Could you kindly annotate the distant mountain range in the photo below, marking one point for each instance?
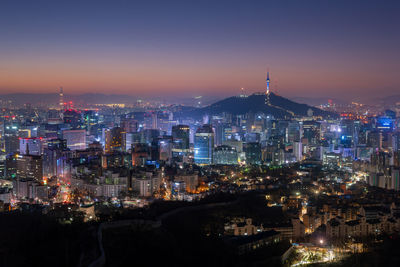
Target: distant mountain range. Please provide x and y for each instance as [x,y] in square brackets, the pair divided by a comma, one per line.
[19,99]
[89,98]
[279,107]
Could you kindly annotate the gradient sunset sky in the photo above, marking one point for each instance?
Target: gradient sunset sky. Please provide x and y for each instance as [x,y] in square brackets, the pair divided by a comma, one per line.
[332,48]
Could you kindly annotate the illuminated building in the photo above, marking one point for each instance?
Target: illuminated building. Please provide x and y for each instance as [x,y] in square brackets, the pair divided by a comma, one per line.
[56,157]
[384,123]
[140,154]
[114,140]
[29,167]
[150,120]
[90,118]
[11,143]
[253,153]
[225,155]
[204,145]
[129,125]
[76,139]
[311,132]
[31,146]
[298,150]
[147,185]
[73,118]
[10,171]
[148,135]
[165,148]
[131,139]
[180,138]
[116,160]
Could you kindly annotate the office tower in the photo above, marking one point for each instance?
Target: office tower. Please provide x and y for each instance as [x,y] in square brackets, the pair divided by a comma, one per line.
[31,146]
[11,143]
[225,155]
[90,118]
[10,171]
[298,150]
[165,148]
[374,139]
[30,167]
[131,139]
[311,132]
[148,135]
[293,132]
[56,159]
[181,135]
[129,125]
[73,118]
[140,154]
[384,124]
[253,153]
[150,120]
[114,140]
[204,145]
[76,139]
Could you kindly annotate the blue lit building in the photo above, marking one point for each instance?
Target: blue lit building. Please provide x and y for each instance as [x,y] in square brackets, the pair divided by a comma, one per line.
[204,145]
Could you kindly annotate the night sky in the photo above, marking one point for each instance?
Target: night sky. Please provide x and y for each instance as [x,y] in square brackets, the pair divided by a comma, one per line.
[340,49]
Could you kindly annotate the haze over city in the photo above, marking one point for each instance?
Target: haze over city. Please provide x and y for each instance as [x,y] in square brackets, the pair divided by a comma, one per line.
[340,49]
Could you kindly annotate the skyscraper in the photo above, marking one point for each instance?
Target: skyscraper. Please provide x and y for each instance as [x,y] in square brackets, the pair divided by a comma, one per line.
[253,153]
[114,140]
[204,145]
[76,139]
[180,135]
[225,155]
[31,146]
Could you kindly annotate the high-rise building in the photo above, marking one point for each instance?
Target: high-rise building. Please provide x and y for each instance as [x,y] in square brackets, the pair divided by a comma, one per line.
[11,143]
[140,154]
[30,167]
[181,135]
[56,159]
[204,145]
[165,148]
[114,140]
[90,118]
[131,139]
[225,155]
[311,132]
[73,118]
[129,125]
[76,139]
[253,153]
[31,146]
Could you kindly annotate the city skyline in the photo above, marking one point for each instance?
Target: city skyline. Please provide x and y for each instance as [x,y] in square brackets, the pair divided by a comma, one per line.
[341,50]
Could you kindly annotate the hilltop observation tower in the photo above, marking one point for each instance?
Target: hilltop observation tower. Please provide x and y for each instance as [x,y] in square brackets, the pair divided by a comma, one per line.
[267,92]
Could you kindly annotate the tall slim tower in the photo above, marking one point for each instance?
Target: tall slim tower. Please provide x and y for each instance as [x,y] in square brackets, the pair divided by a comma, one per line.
[61,103]
[267,92]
